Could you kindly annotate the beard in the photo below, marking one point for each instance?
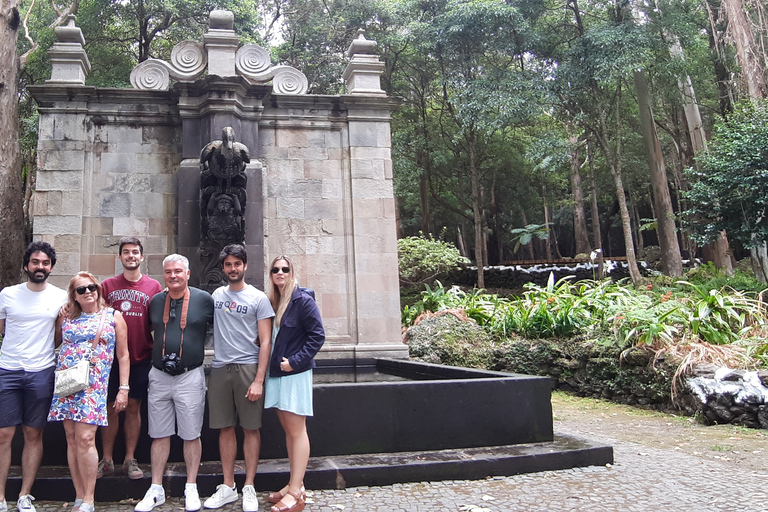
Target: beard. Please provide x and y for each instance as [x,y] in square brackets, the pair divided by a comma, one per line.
[235,277]
[36,277]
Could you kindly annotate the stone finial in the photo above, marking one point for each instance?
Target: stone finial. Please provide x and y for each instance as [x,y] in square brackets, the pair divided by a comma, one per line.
[69,33]
[221,43]
[69,62]
[221,20]
[361,45]
[363,73]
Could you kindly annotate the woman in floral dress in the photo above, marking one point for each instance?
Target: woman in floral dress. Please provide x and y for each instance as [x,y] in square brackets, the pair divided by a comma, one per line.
[85,411]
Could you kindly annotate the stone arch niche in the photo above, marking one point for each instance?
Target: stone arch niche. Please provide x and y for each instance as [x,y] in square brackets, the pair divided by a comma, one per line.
[126,162]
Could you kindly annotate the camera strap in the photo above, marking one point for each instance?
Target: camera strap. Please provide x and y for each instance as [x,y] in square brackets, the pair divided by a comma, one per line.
[182,320]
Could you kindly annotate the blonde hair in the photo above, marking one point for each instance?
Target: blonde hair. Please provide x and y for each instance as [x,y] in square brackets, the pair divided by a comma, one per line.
[74,307]
[280,298]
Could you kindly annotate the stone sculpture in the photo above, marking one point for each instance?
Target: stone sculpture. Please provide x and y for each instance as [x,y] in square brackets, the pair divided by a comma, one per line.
[222,202]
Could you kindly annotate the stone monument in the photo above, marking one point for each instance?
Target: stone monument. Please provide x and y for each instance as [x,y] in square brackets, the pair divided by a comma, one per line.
[317,187]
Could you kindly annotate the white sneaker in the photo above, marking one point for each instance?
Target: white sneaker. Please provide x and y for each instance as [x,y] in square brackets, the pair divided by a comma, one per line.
[250,499]
[3,506]
[224,494]
[191,499]
[24,504]
[155,496]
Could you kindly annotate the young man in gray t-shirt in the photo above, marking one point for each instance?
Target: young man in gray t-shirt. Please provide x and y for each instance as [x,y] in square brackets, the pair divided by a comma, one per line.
[242,335]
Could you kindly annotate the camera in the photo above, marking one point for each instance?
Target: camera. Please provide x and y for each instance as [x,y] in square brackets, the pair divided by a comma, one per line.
[171,363]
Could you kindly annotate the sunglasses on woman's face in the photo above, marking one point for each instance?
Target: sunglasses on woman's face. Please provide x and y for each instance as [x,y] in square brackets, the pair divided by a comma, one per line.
[81,289]
[285,270]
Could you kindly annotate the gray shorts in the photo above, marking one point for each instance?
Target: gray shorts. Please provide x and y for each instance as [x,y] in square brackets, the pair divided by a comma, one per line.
[176,402]
[227,387]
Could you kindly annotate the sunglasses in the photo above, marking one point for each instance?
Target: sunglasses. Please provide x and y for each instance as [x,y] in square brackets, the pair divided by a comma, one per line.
[91,288]
[285,270]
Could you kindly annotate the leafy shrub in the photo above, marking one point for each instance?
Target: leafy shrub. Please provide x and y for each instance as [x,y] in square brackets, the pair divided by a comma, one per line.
[421,259]
[712,278]
[620,315]
[445,339]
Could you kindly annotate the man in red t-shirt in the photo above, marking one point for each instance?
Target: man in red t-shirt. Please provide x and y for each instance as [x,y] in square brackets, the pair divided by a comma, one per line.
[129,293]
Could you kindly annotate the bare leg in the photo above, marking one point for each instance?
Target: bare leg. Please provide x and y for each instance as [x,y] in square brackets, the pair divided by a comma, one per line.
[161,448]
[132,427]
[228,453]
[251,448]
[109,433]
[296,430]
[72,459]
[6,436]
[30,457]
[87,457]
[193,450]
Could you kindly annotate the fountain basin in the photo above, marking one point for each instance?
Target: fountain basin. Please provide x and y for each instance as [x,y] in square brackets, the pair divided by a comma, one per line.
[376,423]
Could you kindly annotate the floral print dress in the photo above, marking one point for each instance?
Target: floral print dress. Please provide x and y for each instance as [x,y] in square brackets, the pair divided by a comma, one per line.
[90,404]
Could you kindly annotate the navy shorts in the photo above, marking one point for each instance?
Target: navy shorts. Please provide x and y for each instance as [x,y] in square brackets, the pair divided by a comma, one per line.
[138,380]
[25,397]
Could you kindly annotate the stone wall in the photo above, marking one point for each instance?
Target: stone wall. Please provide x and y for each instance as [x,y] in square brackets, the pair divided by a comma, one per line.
[516,276]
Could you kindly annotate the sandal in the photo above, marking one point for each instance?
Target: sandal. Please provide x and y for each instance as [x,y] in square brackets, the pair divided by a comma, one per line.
[296,507]
[276,496]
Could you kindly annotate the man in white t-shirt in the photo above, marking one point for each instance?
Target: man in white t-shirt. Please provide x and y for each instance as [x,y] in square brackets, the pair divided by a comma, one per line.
[28,314]
[242,335]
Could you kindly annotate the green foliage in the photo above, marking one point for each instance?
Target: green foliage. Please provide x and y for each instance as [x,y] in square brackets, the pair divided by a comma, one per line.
[421,259]
[720,316]
[445,339]
[620,316]
[730,189]
[712,278]
[524,236]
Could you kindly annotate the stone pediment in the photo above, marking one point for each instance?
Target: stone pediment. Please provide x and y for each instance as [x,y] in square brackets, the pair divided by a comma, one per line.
[218,55]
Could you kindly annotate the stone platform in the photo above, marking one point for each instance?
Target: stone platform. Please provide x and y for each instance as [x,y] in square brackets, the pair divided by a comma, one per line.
[339,472]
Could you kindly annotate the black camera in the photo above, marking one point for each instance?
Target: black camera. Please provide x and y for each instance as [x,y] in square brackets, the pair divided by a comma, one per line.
[171,363]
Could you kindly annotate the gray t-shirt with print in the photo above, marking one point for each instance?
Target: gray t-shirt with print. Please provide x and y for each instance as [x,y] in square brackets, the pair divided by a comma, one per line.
[236,324]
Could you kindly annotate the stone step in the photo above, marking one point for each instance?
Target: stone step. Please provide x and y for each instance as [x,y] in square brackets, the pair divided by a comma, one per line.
[335,472]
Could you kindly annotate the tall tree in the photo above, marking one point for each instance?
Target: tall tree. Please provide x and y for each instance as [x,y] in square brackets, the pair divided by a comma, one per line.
[11,211]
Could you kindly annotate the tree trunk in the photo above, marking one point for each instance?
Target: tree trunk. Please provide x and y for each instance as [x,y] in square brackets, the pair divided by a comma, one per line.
[759,257]
[614,159]
[476,212]
[636,223]
[424,204]
[747,50]
[548,241]
[11,196]
[579,211]
[665,216]
[529,245]
[597,236]
[719,249]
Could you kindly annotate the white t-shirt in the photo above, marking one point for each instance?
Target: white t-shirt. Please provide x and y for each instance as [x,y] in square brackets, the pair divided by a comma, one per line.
[236,316]
[30,320]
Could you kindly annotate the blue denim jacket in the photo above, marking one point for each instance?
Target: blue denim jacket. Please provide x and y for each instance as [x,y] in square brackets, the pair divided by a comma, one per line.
[300,336]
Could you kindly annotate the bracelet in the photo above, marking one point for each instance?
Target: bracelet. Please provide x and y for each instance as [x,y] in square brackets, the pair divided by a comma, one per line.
[124,386]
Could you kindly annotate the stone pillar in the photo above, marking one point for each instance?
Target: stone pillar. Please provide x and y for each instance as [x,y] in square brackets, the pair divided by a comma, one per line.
[375,241]
[221,42]
[363,73]
[69,62]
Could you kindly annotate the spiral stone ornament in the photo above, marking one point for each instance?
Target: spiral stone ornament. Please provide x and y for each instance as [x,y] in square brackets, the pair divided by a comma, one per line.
[151,74]
[188,60]
[253,62]
[289,80]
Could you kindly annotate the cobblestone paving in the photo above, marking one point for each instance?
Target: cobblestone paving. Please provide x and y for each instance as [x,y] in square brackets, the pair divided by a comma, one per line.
[642,479]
